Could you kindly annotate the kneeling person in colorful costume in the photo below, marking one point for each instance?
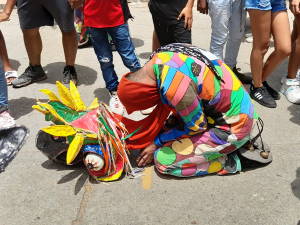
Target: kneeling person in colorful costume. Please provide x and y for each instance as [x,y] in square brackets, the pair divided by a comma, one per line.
[212,115]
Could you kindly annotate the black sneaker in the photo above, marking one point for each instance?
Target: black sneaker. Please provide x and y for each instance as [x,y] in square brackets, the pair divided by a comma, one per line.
[242,77]
[272,92]
[32,74]
[70,75]
[262,96]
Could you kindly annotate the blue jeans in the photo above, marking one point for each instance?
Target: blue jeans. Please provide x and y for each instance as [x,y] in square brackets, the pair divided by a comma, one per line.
[228,26]
[273,5]
[3,91]
[121,38]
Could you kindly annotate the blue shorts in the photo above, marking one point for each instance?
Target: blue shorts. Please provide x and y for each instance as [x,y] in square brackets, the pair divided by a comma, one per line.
[273,5]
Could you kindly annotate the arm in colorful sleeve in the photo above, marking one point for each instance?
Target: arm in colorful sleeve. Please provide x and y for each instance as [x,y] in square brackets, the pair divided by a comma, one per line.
[180,92]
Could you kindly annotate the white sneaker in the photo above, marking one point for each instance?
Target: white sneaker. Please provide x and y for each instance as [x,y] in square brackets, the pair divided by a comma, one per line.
[6,121]
[291,89]
[115,104]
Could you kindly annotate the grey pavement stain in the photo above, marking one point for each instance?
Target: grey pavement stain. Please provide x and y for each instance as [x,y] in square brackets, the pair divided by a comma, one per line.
[88,190]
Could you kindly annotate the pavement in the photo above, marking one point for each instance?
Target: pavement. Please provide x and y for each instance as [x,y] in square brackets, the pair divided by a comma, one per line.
[35,191]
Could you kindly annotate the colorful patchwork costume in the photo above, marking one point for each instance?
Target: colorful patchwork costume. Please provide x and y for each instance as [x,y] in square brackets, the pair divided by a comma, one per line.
[215,109]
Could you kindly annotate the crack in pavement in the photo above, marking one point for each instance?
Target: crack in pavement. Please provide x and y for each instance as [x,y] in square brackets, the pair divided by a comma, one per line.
[88,189]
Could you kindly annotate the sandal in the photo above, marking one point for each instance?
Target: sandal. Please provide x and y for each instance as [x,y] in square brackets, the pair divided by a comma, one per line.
[10,76]
[256,149]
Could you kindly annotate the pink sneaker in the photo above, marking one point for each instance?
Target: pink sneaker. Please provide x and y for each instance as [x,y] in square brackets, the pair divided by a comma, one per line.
[6,121]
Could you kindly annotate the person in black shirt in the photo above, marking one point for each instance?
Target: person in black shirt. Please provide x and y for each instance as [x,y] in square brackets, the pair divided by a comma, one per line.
[172,20]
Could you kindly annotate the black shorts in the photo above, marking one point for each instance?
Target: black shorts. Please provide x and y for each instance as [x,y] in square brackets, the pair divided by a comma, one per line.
[38,13]
[168,33]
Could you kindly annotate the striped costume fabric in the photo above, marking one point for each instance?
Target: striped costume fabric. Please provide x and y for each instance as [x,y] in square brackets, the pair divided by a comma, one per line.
[217,114]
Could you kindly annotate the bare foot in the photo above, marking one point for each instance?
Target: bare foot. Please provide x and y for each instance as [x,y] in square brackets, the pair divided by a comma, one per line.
[10,76]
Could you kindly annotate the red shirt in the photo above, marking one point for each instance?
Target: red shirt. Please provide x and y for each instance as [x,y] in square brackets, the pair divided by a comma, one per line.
[103,13]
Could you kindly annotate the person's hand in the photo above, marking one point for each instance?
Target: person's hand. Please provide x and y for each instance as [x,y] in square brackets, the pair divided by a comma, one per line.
[187,13]
[146,156]
[4,17]
[202,6]
[294,6]
[76,3]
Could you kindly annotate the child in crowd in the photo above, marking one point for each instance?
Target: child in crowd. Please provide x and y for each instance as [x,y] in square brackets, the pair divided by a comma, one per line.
[172,21]
[228,26]
[291,84]
[104,17]
[267,17]
[9,72]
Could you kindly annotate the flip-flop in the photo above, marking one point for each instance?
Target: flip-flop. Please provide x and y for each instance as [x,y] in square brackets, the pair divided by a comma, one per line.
[9,75]
[258,151]
[11,141]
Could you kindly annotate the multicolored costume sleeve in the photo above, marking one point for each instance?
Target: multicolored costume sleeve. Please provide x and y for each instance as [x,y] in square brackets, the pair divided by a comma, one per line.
[179,89]
[217,112]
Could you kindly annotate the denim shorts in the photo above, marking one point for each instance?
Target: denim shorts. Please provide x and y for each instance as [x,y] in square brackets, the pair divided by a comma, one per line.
[273,5]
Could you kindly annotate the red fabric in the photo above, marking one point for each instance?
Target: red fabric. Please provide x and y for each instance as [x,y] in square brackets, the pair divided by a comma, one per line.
[103,13]
[137,96]
[87,122]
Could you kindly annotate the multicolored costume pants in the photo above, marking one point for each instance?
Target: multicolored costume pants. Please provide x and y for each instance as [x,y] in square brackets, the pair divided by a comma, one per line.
[199,155]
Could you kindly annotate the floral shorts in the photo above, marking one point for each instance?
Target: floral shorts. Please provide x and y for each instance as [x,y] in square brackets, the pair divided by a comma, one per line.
[273,5]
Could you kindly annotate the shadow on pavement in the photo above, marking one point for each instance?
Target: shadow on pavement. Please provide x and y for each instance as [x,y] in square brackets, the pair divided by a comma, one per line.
[295,185]
[275,78]
[15,64]
[86,75]
[21,106]
[295,113]
[102,94]
[138,42]
[77,172]
[145,55]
